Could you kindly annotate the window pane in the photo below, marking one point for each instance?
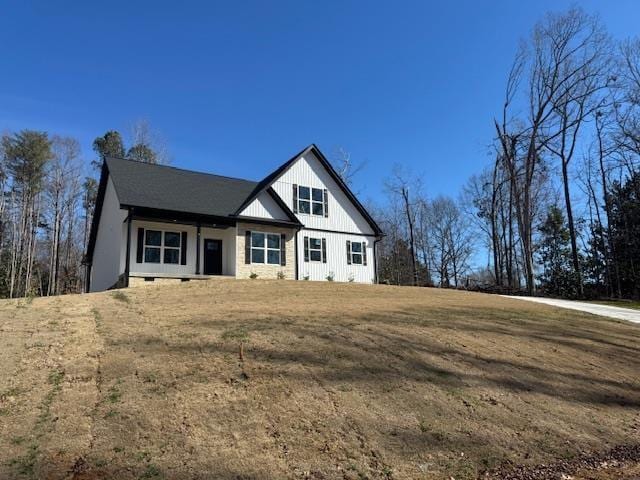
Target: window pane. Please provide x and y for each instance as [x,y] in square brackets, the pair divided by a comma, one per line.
[171,255]
[257,255]
[315,255]
[318,209]
[317,195]
[257,239]
[356,258]
[273,257]
[356,247]
[153,237]
[273,241]
[315,243]
[171,239]
[304,193]
[152,255]
[303,206]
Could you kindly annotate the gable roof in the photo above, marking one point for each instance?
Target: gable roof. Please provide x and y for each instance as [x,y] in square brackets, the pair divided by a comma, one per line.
[272,177]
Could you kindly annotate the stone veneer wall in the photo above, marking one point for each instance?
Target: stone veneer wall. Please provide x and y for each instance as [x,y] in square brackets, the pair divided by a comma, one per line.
[243,270]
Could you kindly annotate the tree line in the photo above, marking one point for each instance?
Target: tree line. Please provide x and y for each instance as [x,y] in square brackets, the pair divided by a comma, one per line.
[557,211]
[47,198]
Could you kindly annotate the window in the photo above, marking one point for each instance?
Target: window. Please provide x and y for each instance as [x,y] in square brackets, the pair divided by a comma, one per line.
[312,200]
[356,253]
[171,247]
[265,248]
[155,248]
[315,249]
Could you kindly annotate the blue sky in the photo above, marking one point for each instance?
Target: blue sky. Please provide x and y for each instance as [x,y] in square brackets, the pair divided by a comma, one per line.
[236,88]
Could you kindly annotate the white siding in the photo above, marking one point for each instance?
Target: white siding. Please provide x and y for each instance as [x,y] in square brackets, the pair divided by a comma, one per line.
[309,172]
[228,248]
[108,254]
[264,206]
[336,258]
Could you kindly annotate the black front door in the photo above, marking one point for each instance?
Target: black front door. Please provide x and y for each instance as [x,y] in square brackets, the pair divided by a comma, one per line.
[212,257]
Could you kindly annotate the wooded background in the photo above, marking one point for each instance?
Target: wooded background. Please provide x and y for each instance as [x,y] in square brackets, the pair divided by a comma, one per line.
[556,211]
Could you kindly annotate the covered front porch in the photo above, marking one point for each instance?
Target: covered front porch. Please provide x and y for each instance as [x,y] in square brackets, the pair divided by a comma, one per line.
[166,248]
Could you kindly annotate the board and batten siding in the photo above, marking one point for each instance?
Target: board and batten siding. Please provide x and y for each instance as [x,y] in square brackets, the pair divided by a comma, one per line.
[108,254]
[264,206]
[344,222]
[336,254]
[228,248]
[309,172]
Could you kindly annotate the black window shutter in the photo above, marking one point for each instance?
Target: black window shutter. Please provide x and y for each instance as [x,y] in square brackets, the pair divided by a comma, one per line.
[326,203]
[247,247]
[283,250]
[295,198]
[364,253]
[183,250]
[306,249]
[140,252]
[324,250]
[348,252]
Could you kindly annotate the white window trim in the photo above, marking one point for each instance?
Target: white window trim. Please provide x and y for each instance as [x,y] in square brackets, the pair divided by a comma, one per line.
[266,248]
[160,247]
[319,249]
[363,245]
[311,201]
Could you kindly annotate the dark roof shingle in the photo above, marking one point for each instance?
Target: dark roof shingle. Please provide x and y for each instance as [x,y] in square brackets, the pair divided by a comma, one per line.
[168,188]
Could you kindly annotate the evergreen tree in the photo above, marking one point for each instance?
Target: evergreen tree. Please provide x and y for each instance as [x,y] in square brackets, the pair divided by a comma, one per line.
[558,276]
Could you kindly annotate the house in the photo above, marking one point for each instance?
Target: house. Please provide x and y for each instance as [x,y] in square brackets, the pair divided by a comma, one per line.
[156,223]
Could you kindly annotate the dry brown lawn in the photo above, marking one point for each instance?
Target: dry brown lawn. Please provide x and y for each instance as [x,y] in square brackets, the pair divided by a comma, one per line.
[337,381]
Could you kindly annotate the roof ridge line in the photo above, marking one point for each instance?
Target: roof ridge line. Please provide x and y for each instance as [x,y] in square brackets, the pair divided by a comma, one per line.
[181,169]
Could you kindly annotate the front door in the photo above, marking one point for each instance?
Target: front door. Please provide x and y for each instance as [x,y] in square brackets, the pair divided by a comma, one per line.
[212,257]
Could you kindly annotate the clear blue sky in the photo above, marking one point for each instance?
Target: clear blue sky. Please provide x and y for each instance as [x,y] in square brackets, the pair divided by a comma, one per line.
[236,88]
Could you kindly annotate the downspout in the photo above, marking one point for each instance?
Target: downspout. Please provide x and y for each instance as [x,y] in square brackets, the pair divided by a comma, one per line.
[127,260]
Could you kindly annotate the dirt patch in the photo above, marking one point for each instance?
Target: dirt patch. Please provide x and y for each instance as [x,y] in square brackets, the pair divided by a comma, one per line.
[335,381]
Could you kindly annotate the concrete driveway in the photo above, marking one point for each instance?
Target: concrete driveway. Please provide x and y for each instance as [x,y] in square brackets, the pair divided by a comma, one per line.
[603,310]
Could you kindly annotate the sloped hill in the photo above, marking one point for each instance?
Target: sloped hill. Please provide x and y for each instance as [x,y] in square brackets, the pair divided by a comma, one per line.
[335,381]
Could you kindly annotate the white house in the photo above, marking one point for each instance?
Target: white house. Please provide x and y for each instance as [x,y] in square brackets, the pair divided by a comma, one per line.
[160,223]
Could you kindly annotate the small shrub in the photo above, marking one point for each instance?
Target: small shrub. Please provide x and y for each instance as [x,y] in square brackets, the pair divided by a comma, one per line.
[330,277]
[253,275]
[280,275]
[306,277]
[351,278]
[120,296]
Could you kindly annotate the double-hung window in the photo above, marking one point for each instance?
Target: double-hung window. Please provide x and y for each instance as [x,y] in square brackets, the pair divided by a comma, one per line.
[265,248]
[315,249]
[159,245]
[356,253]
[310,200]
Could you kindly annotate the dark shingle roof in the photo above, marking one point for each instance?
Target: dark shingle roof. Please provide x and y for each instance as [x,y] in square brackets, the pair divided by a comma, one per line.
[167,188]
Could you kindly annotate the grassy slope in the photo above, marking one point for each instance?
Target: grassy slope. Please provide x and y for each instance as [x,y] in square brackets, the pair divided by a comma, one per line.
[338,381]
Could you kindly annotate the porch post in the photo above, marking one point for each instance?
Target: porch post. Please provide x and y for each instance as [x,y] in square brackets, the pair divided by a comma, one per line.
[127,259]
[198,250]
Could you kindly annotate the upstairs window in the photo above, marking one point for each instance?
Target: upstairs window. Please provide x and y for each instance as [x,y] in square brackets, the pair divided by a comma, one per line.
[356,253]
[310,201]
